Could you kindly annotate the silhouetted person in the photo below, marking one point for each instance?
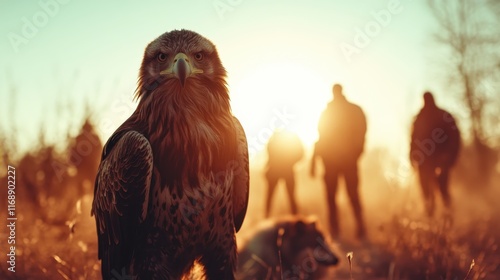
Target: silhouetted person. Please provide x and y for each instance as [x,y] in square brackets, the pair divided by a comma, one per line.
[342,129]
[284,151]
[85,155]
[435,142]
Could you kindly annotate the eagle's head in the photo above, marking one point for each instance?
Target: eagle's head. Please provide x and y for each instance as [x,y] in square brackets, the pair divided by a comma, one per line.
[182,76]
[180,59]
[184,100]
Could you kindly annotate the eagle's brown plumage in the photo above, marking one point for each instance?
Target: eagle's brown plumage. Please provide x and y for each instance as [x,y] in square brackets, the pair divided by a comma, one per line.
[172,186]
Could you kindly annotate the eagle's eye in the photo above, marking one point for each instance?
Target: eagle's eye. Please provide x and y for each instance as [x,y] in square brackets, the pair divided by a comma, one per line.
[198,56]
[161,57]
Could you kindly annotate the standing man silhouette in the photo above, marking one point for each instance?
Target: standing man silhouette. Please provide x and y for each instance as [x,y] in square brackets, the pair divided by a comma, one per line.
[435,143]
[342,129]
[284,150]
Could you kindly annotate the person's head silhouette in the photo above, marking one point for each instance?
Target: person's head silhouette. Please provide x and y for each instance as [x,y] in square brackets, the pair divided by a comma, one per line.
[429,100]
[337,92]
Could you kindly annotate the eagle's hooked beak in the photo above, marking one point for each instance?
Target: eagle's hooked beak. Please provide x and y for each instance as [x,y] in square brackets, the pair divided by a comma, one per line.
[181,68]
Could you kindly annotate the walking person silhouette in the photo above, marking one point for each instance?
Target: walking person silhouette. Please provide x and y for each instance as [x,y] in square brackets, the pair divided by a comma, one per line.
[342,129]
[284,150]
[434,147]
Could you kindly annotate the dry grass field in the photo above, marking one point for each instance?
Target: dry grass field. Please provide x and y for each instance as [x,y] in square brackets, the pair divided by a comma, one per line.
[56,239]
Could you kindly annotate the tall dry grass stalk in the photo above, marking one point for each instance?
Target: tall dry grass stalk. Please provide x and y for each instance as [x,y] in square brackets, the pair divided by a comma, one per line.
[350,256]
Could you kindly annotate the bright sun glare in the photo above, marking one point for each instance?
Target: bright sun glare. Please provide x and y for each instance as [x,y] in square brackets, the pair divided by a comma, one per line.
[280,94]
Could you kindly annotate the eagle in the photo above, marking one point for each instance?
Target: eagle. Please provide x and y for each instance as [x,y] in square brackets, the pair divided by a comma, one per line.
[172,185]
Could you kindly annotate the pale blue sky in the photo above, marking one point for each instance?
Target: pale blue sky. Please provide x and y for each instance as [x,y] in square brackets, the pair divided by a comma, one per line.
[279,54]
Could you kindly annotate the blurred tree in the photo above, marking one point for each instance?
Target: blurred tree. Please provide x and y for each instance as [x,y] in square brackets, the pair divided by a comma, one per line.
[495,4]
[469,31]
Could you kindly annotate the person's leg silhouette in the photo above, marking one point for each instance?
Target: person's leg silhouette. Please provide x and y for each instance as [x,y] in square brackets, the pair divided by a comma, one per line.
[331,184]
[290,187]
[352,182]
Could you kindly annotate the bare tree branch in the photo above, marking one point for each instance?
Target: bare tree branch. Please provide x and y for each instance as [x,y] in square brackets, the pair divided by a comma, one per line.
[465,28]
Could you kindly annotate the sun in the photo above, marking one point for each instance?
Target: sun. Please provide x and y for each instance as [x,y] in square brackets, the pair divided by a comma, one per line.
[280,94]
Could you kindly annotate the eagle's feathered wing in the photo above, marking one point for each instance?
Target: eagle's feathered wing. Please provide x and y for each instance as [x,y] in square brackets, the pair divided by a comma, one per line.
[122,193]
[121,197]
[242,179]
